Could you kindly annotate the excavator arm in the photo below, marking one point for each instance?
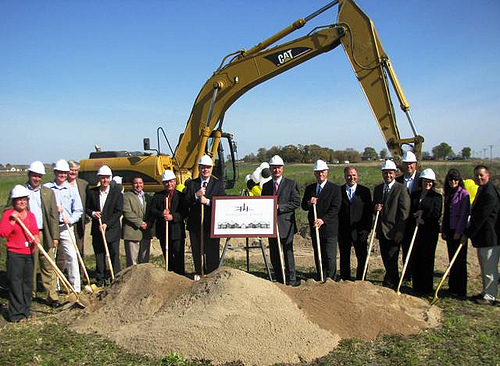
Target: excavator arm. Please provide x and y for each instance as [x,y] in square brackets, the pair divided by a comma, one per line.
[354,30]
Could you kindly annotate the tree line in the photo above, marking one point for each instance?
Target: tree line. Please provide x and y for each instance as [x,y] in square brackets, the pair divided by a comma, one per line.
[311,153]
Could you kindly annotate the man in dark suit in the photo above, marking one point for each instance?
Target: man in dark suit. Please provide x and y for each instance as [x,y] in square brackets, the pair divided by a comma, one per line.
[483,229]
[105,202]
[199,193]
[288,196]
[326,196]
[393,203]
[174,214]
[42,204]
[410,179]
[355,217]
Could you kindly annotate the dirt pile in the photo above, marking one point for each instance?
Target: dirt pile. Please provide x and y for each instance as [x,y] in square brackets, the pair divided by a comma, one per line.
[231,315]
[228,316]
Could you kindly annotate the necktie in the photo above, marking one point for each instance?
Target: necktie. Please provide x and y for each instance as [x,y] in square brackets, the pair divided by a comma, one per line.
[170,195]
[276,186]
[351,193]
[386,192]
[318,190]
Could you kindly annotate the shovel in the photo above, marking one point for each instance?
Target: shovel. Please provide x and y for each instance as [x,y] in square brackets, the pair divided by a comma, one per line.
[202,259]
[371,245]
[166,235]
[318,245]
[62,278]
[407,260]
[106,249]
[280,250]
[436,298]
[91,288]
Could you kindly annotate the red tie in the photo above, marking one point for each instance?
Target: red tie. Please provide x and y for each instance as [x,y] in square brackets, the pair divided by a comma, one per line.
[170,195]
[276,186]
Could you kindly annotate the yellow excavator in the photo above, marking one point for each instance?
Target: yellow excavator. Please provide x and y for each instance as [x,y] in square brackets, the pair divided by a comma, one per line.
[241,71]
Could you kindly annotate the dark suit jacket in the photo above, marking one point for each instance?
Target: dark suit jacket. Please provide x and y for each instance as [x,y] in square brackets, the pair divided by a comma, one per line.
[431,206]
[394,215]
[416,185]
[215,188]
[179,210]
[356,215]
[82,191]
[484,217]
[327,208]
[288,202]
[110,214]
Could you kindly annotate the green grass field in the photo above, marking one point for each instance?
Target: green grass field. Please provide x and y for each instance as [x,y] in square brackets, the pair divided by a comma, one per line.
[469,333]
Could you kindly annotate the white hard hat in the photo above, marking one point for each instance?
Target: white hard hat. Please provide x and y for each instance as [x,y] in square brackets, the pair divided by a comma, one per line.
[276,160]
[19,191]
[62,165]
[105,171]
[117,179]
[409,157]
[168,175]
[428,174]
[388,165]
[206,160]
[320,165]
[37,167]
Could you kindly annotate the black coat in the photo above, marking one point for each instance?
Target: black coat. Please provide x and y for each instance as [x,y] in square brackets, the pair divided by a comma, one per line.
[215,188]
[356,215]
[110,214]
[179,211]
[431,206]
[327,208]
[288,202]
[483,225]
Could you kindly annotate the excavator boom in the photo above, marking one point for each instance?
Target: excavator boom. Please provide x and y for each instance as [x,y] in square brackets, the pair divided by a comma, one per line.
[354,30]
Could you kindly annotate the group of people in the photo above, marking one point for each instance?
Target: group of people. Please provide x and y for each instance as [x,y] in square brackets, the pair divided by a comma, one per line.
[54,216]
[409,218]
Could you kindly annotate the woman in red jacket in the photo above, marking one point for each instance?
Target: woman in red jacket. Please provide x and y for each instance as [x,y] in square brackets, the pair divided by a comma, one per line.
[20,250]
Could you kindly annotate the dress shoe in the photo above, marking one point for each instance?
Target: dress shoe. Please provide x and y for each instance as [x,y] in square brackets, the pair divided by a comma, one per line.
[476,297]
[484,302]
[294,283]
[55,304]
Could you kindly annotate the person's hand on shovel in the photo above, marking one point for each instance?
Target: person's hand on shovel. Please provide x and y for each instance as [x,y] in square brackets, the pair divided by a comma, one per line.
[318,223]
[418,217]
[167,215]
[55,243]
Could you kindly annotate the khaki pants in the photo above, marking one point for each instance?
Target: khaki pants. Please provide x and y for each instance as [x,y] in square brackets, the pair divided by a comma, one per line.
[46,272]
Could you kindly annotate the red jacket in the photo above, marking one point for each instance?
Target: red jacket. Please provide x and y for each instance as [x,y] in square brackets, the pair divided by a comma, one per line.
[17,240]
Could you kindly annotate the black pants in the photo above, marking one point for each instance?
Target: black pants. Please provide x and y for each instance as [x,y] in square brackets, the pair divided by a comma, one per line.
[211,252]
[328,256]
[361,250]
[100,257]
[287,245]
[390,254]
[175,255]
[422,259]
[20,277]
[457,280]
[405,246]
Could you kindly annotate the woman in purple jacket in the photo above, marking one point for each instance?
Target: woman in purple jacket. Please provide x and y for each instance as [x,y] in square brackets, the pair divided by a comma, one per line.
[456,213]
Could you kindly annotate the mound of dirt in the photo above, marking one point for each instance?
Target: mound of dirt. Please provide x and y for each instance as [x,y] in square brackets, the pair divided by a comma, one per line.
[231,315]
[363,310]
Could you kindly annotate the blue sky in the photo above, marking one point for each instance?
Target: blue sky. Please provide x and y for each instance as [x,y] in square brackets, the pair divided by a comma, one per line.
[78,73]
